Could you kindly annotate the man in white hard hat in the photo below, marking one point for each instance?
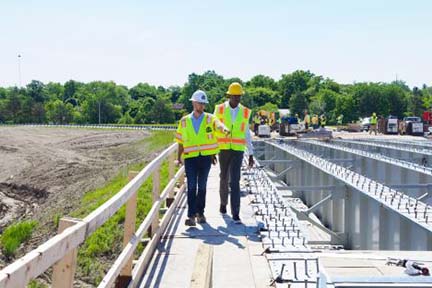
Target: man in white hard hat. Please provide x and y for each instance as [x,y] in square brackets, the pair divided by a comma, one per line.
[196,136]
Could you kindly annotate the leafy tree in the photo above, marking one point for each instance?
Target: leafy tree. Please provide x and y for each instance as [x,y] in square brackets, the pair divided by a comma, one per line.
[54,91]
[70,88]
[298,104]
[35,89]
[126,119]
[415,104]
[174,93]
[262,81]
[401,84]
[103,101]
[324,102]
[12,107]
[397,98]
[161,112]
[371,99]
[293,83]
[261,95]
[3,93]
[59,112]
[144,90]
[141,109]
[347,106]
[269,107]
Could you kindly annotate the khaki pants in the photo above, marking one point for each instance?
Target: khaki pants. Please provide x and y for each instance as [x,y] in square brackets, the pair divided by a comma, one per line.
[373,127]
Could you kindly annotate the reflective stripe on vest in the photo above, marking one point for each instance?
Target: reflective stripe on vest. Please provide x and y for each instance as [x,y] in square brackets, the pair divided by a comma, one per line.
[197,148]
[232,140]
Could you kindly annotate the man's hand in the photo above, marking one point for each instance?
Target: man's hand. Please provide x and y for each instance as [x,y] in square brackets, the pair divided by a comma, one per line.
[251,161]
[213,159]
[178,162]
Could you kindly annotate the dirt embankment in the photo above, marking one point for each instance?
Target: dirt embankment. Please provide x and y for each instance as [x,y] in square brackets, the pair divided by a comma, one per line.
[45,171]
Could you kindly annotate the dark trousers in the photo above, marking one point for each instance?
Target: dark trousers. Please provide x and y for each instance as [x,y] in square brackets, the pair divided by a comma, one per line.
[197,170]
[230,163]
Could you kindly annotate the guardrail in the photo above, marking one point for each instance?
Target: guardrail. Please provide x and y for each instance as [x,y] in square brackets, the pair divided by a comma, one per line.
[100,126]
[61,250]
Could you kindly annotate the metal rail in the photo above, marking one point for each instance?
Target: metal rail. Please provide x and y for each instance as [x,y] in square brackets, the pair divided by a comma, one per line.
[379,157]
[416,212]
[99,126]
[389,146]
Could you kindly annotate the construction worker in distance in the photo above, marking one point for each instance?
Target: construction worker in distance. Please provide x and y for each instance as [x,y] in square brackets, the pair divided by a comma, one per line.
[315,122]
[340,119]
[257,122]
[323,120]
[307,120]
[373,123]
[196,136]
[232,147]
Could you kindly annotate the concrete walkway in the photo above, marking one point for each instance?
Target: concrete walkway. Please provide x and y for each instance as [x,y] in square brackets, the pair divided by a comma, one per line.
[237,259]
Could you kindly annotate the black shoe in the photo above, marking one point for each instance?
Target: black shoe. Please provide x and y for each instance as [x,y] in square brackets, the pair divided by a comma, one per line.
[236,219]
[222,209]
[190,221]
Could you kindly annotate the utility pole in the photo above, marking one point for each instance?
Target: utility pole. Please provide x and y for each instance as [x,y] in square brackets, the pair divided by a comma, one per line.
[19,70]
[99,111]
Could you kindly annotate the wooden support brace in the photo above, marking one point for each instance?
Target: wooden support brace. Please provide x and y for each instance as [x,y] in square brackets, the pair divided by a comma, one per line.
[155,197]
[171,170]
[64,270]
[129,229]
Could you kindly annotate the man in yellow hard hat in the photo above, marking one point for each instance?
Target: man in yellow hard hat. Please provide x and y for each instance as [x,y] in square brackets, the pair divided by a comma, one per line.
[315,122]
[236,118]
[307,120]
[196,136]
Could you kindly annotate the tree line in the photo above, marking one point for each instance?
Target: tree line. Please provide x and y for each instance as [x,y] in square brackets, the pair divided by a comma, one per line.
[107,102]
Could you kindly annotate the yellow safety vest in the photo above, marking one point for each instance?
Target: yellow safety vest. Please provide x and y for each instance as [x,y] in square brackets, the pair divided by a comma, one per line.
[323,120]
[237,138]
[307,119]
[257,120]
[202,143]
[373,120]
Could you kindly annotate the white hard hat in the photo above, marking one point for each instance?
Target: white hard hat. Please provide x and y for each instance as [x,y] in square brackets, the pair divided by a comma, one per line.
[199,96]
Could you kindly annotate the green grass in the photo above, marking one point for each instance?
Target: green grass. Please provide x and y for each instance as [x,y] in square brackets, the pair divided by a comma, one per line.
[15,235]
[106,242]
[36,284]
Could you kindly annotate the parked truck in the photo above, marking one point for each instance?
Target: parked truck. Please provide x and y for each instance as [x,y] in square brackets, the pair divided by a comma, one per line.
[411,125]
[391,125]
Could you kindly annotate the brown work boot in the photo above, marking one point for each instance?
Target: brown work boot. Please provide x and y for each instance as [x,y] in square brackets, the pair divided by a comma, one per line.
[190,221]
[201,219]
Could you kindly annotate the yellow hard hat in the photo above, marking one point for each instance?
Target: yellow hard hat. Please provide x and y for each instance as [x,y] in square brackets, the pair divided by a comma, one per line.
[235,89]
[374,114]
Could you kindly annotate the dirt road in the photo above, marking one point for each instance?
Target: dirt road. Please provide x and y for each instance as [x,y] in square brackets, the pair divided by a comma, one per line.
[45,171]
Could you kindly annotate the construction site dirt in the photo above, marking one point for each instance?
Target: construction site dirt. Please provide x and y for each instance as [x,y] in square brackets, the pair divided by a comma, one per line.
[45,171]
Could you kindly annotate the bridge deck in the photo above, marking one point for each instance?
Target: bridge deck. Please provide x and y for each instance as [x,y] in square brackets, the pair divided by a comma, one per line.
[237,259]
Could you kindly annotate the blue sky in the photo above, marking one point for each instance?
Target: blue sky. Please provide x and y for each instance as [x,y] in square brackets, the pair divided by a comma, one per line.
[162,42]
